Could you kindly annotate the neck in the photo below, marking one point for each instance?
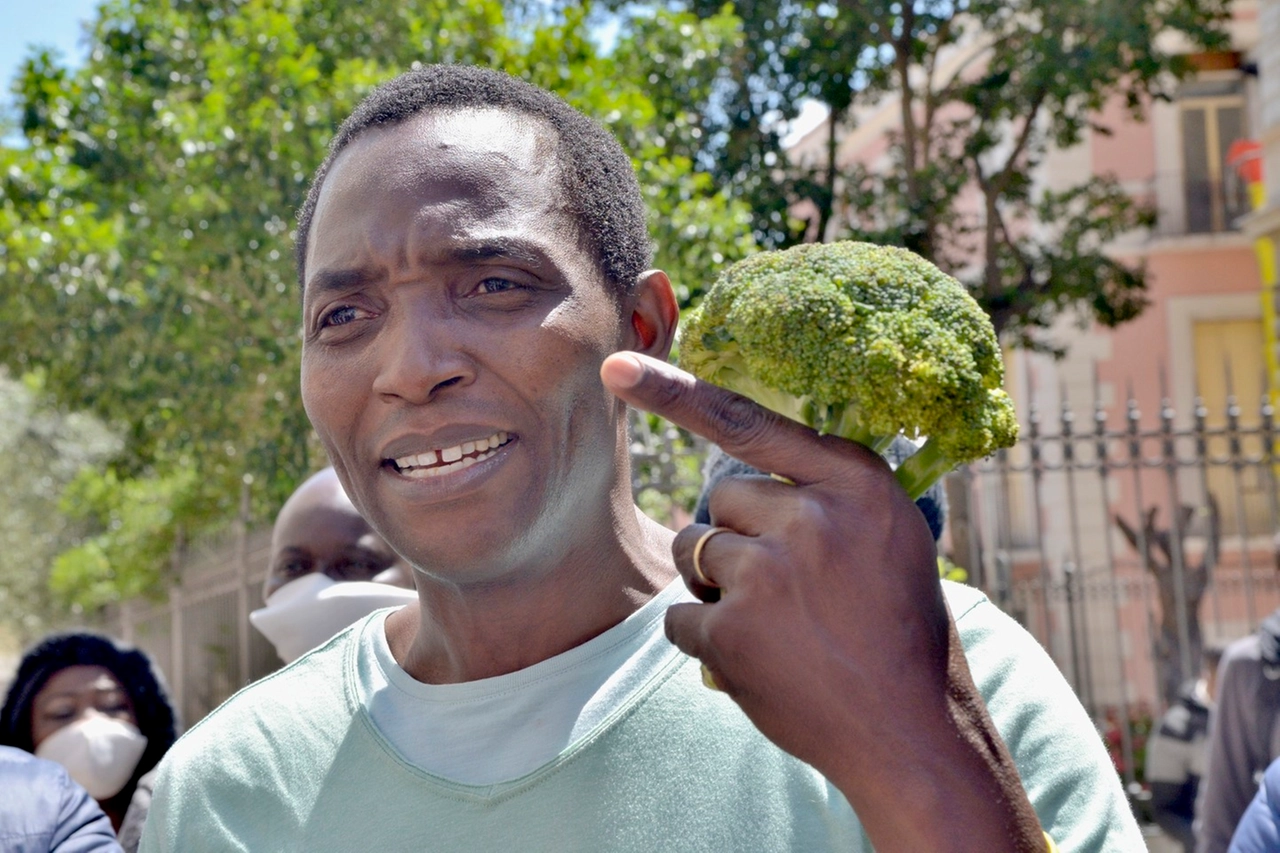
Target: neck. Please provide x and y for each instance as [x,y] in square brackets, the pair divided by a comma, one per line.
[468,632]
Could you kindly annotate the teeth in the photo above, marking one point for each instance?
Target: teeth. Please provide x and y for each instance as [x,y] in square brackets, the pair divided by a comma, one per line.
[433,463]
[448,467]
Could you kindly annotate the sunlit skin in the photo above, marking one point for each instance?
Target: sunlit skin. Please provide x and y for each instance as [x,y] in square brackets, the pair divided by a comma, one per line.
[318,530]
[448,300]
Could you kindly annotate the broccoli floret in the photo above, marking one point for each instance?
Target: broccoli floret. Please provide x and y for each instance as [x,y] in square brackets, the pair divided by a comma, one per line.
[861,341]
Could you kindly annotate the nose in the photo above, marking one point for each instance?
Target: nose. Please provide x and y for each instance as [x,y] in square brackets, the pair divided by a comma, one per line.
[419,357]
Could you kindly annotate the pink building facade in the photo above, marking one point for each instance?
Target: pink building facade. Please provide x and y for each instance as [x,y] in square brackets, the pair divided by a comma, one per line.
[1207,341]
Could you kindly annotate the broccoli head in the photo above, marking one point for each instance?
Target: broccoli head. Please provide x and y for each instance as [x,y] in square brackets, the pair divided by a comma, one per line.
[861,341]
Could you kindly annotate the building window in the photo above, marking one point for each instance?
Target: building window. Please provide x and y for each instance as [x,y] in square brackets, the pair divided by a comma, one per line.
[1212,119]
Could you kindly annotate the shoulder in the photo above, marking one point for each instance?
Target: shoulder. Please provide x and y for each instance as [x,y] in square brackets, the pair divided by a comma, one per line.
[1246,650]
[253,764]
[40,786]
[42,807]
[278,726]
[1060,755]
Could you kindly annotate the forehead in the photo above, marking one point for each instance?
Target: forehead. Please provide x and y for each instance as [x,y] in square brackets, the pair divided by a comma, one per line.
[75,680]
[318,520]
[487,136]
[475,169]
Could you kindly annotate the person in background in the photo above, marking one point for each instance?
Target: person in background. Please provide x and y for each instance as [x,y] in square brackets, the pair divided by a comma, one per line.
[1176,754]
[99,709]
[42,810]
[1243,735]
[1259,828]
[328,569]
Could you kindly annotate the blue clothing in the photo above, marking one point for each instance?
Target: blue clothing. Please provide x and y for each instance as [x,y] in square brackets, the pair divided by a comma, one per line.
[43,811]
[1259,829]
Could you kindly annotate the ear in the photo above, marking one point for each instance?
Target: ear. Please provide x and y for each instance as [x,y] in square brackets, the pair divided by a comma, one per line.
[651,326]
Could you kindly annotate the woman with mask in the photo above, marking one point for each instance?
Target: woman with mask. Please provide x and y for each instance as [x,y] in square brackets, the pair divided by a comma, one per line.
[96,707]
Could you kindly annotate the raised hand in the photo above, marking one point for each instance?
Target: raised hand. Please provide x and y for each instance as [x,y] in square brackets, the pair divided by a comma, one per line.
[829,627]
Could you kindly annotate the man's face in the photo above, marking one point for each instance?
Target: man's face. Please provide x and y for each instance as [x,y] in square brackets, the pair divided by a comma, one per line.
[319,531]
[454,326]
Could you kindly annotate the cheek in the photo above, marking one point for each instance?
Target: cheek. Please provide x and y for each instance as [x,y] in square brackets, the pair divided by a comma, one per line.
[40,730]
[125,716]
[326,394]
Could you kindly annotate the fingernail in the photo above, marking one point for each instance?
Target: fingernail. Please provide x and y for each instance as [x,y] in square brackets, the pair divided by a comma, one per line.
[709,680]
[622,370]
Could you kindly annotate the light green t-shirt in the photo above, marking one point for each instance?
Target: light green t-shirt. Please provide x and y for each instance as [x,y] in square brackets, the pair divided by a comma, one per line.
[294,763]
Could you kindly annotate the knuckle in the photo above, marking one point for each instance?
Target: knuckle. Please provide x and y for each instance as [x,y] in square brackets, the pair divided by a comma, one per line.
[808,518]
[663,392]
[741,421]
[765,573]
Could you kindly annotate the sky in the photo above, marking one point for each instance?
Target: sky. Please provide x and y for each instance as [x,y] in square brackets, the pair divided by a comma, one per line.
[52,23]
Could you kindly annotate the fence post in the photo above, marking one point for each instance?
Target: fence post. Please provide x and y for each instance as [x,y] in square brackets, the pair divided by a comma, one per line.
[1177,565]
[242,582]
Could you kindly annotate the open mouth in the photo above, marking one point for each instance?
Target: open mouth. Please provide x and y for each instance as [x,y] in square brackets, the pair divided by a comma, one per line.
[435,463]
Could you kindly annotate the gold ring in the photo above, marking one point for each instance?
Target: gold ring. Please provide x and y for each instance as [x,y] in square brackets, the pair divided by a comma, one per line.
[697,555]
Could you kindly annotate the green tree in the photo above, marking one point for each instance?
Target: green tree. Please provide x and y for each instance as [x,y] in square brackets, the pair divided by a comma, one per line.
[146,231]
[41,450]
[983,90]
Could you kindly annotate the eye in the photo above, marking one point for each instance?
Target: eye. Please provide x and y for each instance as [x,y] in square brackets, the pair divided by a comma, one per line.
[59,715]
[496,284]
[339,316]
[355,568]
[292,569]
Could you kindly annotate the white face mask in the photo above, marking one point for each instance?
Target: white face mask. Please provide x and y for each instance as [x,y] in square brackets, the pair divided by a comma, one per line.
[98,752]
[305,612]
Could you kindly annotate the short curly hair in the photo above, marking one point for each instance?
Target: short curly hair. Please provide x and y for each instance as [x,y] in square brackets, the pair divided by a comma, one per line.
[156,717]
[596,175]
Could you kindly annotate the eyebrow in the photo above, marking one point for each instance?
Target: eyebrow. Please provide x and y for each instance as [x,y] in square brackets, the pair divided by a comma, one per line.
[497,248]
[326,281]
[462,251]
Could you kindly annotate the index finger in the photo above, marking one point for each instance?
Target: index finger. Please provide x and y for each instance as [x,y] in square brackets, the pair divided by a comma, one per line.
[744,429]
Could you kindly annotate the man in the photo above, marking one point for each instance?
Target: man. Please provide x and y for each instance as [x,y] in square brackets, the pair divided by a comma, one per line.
[473,256]
[1176,754]
[328,569]
[1244,736]
[318,531]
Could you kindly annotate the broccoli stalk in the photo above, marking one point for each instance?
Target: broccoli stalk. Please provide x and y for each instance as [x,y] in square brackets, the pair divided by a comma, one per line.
[860,341]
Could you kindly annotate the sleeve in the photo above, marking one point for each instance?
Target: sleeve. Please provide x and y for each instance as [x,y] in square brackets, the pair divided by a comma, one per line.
[1259,829]
[82,825]
[136,816]
[1060,756]
[1233,754]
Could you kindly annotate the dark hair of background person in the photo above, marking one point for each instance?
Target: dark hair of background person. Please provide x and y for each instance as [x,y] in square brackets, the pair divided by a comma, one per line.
[596,175]
[132,668]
